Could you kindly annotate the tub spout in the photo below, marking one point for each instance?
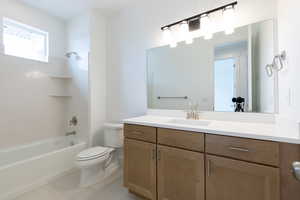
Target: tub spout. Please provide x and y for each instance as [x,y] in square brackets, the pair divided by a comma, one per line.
[71,133]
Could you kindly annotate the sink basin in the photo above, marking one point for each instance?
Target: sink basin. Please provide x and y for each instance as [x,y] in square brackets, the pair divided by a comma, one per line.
[190,122]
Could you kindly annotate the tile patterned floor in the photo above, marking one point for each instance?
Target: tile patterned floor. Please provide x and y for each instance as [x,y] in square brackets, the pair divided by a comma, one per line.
[66,188]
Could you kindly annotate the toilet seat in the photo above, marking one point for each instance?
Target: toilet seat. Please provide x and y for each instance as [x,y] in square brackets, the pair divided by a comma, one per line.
[94,153]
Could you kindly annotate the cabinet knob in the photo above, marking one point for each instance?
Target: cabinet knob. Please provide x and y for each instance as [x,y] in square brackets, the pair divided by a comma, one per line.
[296,170]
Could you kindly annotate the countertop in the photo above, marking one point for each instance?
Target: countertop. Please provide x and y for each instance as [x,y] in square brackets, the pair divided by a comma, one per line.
[279,132]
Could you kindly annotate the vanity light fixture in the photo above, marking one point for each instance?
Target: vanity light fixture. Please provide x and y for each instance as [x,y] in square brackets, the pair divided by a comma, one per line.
[168,37]
[186,25]
[167,34]
[229,16]
[185,32]
[206,27]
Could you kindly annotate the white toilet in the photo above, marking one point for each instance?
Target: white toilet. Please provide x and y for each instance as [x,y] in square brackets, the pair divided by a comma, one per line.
[98,163]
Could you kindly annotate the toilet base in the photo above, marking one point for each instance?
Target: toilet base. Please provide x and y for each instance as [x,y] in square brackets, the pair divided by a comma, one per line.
[97,174]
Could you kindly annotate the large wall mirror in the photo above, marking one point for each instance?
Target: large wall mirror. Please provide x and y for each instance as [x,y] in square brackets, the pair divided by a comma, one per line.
[226,73]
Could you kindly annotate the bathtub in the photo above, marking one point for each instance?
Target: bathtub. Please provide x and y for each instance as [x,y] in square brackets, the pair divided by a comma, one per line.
[26,167]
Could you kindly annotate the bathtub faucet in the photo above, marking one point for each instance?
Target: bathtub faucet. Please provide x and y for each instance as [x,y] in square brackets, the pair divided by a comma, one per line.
[71,133]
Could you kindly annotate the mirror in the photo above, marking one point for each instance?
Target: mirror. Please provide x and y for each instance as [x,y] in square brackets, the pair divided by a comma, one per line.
[226,73]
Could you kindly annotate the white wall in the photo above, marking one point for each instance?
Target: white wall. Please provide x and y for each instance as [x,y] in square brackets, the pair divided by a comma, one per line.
[289,40]
[87,37]
[138,28]
[78,35]
[97,76]
[27,113]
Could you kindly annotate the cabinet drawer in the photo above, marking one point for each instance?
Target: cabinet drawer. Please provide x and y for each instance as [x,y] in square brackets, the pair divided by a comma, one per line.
[263,152]
[181,139]
[144,133]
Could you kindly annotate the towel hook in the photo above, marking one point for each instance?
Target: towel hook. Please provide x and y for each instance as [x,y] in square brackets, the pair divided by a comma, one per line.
[277,64]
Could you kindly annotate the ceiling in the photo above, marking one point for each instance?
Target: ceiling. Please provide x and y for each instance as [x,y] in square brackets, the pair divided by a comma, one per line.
[67,9]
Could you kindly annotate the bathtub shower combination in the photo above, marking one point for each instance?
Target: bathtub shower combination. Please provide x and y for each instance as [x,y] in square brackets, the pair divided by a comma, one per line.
[26,167]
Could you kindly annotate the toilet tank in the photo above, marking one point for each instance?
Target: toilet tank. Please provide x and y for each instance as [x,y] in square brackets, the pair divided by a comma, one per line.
[113,135]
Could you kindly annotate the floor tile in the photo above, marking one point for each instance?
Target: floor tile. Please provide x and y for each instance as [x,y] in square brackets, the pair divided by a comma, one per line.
[67,188]
[44,193]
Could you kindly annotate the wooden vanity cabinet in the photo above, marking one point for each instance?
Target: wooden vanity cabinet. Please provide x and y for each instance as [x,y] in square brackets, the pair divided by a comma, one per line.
[228,179]
[173,170]
[180,174]
[140,168]
[181,139]
[143,133]
[167,164]
[290,186]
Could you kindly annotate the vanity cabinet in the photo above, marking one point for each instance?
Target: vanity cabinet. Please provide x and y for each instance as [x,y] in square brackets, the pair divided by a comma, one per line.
[181,139]
[168,164]
[140,168]
[257,151]
[143,133]
[228,179]
[179,174]
[164,164]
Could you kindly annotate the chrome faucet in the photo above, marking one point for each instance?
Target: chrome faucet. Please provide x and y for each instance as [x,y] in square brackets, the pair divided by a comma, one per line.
[193,111]
[71,133]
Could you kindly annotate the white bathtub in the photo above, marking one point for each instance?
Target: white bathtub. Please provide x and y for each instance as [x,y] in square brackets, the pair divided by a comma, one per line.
[27,167]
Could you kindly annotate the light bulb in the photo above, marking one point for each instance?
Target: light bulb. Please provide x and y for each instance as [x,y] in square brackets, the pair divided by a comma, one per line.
[167,36]
[229,17]
[184,29]
[206,27]
[185,32]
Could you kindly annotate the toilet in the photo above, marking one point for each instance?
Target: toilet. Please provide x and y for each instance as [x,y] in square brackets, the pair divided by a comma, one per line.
[100,162]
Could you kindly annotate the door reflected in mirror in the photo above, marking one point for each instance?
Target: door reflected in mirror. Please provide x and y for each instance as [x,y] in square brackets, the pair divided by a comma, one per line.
[225,85]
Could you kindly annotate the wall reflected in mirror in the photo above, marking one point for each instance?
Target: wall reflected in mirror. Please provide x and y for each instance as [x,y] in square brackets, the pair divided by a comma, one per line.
[226,73]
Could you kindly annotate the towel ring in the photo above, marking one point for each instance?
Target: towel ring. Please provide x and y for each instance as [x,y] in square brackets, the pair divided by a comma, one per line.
[277,64]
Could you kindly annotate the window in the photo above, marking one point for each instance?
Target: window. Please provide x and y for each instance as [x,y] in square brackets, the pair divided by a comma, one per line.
[24,41]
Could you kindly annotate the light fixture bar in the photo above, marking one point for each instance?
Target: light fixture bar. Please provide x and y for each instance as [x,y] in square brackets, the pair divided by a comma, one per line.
[199,15]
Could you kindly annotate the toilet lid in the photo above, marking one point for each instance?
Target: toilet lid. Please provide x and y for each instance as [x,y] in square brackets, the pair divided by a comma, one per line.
[93,152]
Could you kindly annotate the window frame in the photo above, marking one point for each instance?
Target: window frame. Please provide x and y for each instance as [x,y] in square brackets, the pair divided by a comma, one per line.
[8,21]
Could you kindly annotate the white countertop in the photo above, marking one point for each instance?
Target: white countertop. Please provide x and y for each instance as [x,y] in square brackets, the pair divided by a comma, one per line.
[285,132]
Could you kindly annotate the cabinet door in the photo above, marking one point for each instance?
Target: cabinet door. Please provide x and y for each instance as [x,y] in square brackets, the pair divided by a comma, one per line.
[180,174]
[140,168]
[228,179]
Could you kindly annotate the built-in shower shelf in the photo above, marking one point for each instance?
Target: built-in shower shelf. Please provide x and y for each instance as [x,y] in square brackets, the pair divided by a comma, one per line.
[60,95]
[60,76]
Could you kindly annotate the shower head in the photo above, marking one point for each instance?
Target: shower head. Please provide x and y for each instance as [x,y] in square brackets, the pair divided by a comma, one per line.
[70,54]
